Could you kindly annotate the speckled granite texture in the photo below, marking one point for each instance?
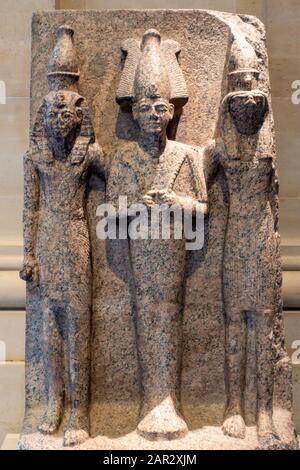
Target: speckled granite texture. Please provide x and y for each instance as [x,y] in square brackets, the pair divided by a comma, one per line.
[206,361]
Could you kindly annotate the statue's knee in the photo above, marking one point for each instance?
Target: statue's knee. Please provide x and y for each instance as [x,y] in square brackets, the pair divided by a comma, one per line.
[268,313]
[265,319]
[165,308]
[232,346]
[47,306]
[234,316]
[284,365]
[170,309]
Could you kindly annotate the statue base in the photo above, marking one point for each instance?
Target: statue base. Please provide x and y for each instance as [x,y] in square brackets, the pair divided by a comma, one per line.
[206,438]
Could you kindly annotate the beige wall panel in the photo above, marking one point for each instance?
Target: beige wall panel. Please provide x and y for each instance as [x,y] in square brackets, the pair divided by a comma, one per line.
[11,397]
[284,71]
[290,221]
[15,41]
[283,19]
[291,291]
[14,122]
[70,4]
[10,257]
[287,123]
[12,335]
[15,37]
[12,291]
[11,221]
[26,5]
[292,328]
[251,7]
[221,5]
[291,258]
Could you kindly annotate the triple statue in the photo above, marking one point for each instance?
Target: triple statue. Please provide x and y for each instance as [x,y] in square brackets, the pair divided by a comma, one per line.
[153,170]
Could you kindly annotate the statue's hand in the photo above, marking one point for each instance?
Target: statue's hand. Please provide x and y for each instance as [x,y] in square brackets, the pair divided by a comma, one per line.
[163,196]
[30,270]
[148,200]
[172,199]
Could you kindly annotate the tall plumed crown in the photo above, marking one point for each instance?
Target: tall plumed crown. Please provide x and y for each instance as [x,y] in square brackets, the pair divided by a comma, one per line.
[151,77]
[63,75]
[63,70]
[151,69]
[242,57]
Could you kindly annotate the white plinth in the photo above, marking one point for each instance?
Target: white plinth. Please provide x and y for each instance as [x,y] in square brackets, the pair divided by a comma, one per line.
[10,442]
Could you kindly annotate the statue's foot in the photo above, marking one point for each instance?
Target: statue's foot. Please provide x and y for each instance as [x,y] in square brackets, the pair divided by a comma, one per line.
[73,437]
[267,436]
[52,417]
[77,430]
[234,425]
[162,423]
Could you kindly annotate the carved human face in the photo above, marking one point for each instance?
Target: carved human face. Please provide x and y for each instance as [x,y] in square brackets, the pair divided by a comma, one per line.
[61,118]
[153,114]
[248,111]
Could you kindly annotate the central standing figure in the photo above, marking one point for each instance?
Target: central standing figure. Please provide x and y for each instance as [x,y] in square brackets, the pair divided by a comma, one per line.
[155,170]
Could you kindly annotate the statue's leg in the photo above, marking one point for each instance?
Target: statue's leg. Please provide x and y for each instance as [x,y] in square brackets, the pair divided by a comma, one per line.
[158,267]
[265,377]
[234,424]
[53,366]
[78,332]
[159,335]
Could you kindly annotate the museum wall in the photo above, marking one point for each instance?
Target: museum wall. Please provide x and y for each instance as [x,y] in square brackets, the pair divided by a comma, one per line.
[282,24]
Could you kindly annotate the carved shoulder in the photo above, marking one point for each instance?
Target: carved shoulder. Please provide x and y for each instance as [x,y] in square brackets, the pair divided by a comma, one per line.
[30,159]
[195,158]
[190,178]
[97,159]
[122,178]
[128,158]
[211,161]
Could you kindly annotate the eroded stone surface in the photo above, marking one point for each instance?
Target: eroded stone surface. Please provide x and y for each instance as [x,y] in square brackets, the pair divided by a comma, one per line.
[177,337]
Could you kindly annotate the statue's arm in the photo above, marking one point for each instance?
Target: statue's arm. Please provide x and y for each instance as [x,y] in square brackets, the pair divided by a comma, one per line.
[190,193]
[205,175]
[191,204]
[194,203]
[29,271]
[98,160]
[210,163]
[196,164]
